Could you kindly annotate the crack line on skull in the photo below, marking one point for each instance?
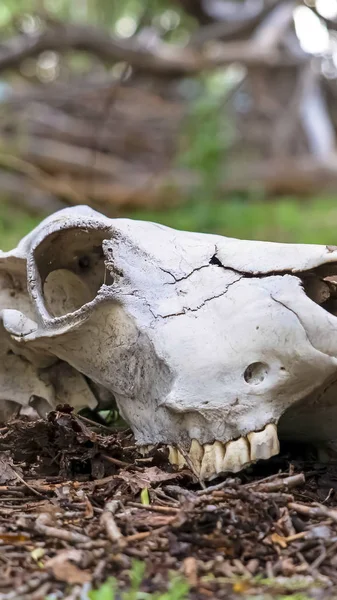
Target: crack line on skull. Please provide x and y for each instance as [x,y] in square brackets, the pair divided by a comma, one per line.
[214,260]
[184,277]
[187,309]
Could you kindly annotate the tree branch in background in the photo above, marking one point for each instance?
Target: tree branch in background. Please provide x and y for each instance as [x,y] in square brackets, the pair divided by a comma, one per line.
[300,176]
[164,59]
[62,37]
[315,118]
[272,29]
[285,140]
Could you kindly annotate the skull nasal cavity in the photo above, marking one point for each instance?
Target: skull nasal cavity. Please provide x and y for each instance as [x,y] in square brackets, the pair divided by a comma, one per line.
[71,268]
[256,373]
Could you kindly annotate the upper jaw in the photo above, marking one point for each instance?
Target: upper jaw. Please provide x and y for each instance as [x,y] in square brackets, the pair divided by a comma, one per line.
[211,460]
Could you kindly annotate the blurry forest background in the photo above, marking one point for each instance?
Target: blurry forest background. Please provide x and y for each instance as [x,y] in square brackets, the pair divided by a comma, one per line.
[209,115]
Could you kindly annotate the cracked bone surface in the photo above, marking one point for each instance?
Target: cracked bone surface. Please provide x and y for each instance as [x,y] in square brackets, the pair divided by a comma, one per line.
[210,345]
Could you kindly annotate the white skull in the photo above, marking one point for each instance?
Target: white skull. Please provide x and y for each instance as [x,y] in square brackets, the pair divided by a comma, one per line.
[205,341]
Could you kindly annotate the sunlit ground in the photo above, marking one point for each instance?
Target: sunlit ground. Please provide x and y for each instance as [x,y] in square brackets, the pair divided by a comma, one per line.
[282,220]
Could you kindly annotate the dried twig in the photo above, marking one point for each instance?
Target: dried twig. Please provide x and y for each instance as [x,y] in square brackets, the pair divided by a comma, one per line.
[95,424]
[113,532]
[317,510]
[277,485]
[154,507]
[144,534]
[229,482]
[33,490]
[115,461]
[42,525]
[26,588]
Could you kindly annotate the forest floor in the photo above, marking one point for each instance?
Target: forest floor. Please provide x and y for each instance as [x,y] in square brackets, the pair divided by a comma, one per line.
[78,504]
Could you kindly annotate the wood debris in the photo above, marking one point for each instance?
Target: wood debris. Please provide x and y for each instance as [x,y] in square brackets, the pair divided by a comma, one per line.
[275,520]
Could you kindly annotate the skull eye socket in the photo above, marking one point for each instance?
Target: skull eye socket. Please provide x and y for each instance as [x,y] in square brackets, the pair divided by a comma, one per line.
[256,373]
[71,268]
[64,292]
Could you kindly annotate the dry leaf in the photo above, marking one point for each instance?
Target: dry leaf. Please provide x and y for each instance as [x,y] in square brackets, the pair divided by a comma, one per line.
[7,473]
[65,570]
[138,481]
[279,539]
[51,509]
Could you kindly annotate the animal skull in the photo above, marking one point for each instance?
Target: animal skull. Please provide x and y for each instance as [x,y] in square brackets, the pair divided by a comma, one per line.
[206,342]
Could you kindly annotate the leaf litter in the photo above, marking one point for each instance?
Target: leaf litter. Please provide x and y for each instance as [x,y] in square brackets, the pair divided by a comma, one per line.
[78,505]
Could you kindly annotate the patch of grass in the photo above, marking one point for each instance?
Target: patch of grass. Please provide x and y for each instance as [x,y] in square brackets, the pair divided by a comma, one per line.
[310,221]
[284,220]
[15,223]
[110,590]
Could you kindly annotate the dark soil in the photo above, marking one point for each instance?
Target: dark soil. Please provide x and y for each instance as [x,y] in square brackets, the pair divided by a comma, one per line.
[74,510]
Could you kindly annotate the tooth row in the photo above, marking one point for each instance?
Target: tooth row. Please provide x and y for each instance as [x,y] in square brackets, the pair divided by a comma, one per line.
[212,459]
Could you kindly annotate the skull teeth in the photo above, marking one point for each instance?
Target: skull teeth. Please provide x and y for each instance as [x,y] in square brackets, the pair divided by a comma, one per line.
[236,455]
[263,444]
[210,460]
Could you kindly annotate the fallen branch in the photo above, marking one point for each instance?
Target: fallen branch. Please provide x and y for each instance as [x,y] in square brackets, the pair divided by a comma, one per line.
[107,520]
[318,510]
[142,535]
[115,461]
[278,485]
[42,525]
[154,508]
[33,490]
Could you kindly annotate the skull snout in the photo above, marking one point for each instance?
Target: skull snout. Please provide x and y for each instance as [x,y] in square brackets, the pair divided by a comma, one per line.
[245,359]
